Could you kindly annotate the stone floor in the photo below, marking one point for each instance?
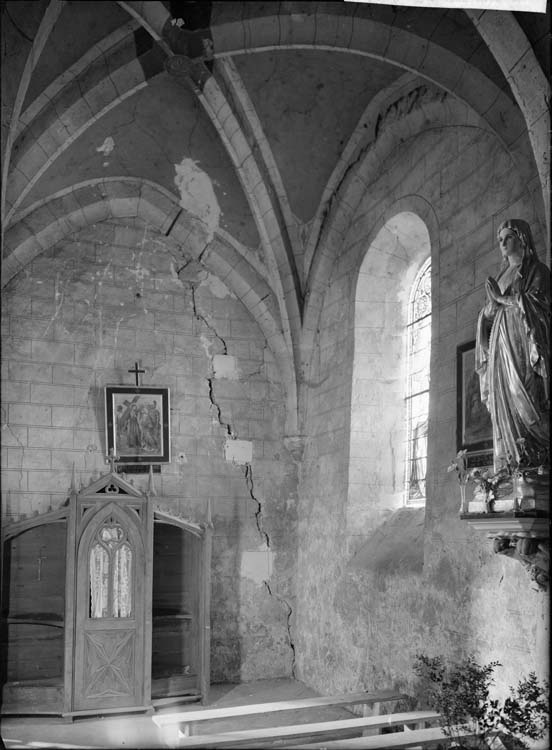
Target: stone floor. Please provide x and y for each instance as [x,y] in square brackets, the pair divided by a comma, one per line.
[139,731]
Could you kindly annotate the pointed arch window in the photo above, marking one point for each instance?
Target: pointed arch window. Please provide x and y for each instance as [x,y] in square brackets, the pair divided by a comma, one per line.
[417,386]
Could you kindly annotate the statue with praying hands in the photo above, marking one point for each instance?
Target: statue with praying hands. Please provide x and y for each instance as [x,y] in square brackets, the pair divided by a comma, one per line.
[512,356]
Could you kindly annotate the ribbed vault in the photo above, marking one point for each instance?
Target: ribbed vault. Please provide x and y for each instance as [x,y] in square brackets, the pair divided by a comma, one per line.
[438,69]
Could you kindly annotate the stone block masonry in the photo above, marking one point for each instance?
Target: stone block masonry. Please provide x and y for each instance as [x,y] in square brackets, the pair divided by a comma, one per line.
[356,625]
[78,319]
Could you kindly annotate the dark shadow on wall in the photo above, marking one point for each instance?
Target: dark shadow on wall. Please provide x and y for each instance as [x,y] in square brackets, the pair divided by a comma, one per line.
[395,546]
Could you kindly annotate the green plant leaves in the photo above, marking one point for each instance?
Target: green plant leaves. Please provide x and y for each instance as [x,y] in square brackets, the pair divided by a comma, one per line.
[460,692]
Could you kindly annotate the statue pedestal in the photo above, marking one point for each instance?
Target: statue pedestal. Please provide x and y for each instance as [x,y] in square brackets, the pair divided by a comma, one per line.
[479,506]
[515,513]
[516,523]
[522,535]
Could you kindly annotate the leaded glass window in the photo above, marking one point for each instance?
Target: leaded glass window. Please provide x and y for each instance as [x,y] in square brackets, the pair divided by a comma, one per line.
[110,572]
[417,388]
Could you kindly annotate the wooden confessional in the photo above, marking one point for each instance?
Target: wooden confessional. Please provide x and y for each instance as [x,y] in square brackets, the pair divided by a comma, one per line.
[105,605]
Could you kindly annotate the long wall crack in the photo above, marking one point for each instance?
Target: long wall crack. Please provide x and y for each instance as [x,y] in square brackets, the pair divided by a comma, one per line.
[204,320]
[226,425]
[249,483]
[259,511]
[289,612]
[198,316]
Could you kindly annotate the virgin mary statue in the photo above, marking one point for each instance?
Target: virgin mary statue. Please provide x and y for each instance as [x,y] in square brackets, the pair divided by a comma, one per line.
[512,356]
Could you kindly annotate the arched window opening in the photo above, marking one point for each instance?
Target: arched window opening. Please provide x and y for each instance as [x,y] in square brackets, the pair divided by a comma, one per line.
[417,386]
[378,453]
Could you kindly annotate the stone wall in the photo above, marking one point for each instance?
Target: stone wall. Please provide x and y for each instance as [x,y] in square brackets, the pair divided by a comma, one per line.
[360,622]
[77,319]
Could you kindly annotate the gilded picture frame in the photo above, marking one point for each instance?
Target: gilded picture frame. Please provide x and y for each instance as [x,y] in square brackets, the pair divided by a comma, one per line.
[137,423]
[474,430]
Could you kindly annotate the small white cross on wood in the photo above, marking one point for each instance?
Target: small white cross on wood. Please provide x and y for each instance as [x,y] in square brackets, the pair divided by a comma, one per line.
[39,560]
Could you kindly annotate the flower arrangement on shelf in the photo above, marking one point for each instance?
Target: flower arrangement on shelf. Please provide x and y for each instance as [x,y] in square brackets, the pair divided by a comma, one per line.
[460,466]
[515,477]
[527,464]
[487,484]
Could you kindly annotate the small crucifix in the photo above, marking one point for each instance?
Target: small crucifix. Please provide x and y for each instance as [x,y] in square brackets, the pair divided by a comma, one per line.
[136,370]
[39,560]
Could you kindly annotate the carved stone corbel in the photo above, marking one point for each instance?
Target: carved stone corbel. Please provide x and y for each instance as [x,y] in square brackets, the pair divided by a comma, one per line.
[533,554]
[522,536]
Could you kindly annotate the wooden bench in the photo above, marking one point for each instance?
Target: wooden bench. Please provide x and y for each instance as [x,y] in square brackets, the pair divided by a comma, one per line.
[285,735]
[423,738]
[171,723]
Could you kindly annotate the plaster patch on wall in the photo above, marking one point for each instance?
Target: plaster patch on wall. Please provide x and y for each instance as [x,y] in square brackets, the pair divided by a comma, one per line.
[217,287]
[256,564]
[197,194]
[206,343]
[106,148]
[226,366]
[173,271]
[238,451]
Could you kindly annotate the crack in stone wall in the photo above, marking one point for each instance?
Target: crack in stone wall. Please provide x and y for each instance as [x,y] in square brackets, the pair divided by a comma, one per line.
[264,535]
[204,320]
[198,316]
[7,426]
[400,108]
[259,511]
[288,624]
[249,480]
[226,425]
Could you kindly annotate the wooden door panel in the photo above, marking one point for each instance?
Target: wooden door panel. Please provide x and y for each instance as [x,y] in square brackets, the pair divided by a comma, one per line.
[109,676]
[109,649]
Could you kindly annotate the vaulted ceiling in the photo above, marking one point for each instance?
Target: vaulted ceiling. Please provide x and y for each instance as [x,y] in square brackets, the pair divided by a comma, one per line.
[246,132]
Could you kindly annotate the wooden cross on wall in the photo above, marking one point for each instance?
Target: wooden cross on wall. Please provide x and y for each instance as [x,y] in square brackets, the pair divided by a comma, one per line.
[137,371]
[39,560]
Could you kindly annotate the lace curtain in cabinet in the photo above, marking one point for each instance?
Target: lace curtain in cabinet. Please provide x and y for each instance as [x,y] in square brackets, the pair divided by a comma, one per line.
[110,573]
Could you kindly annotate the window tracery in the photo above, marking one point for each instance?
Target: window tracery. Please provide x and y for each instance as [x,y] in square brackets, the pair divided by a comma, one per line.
[417,387]
[110,572]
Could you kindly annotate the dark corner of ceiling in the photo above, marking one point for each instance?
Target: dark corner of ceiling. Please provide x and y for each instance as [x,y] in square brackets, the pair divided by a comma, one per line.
[189,32]
[196,15]
[148,53]
[143,41]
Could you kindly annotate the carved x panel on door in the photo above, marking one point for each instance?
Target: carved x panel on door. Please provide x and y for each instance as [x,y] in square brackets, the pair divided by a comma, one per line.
[109,664]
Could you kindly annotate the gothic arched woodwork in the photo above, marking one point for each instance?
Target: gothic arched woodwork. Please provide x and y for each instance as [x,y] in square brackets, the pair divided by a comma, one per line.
[102,660]
[110,625]
[108,607]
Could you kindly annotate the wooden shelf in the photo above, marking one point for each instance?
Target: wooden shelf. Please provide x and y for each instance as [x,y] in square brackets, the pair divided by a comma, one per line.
[516,523]
[53,622]
[173,617]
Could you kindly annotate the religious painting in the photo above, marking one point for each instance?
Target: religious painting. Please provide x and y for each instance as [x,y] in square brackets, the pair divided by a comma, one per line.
[137,424]
[474,430]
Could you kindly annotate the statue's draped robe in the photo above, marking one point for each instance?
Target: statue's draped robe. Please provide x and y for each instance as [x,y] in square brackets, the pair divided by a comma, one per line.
[512,359]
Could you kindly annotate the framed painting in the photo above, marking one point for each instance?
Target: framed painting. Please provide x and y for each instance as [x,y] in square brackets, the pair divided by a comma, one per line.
[137,424]
[474,430]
